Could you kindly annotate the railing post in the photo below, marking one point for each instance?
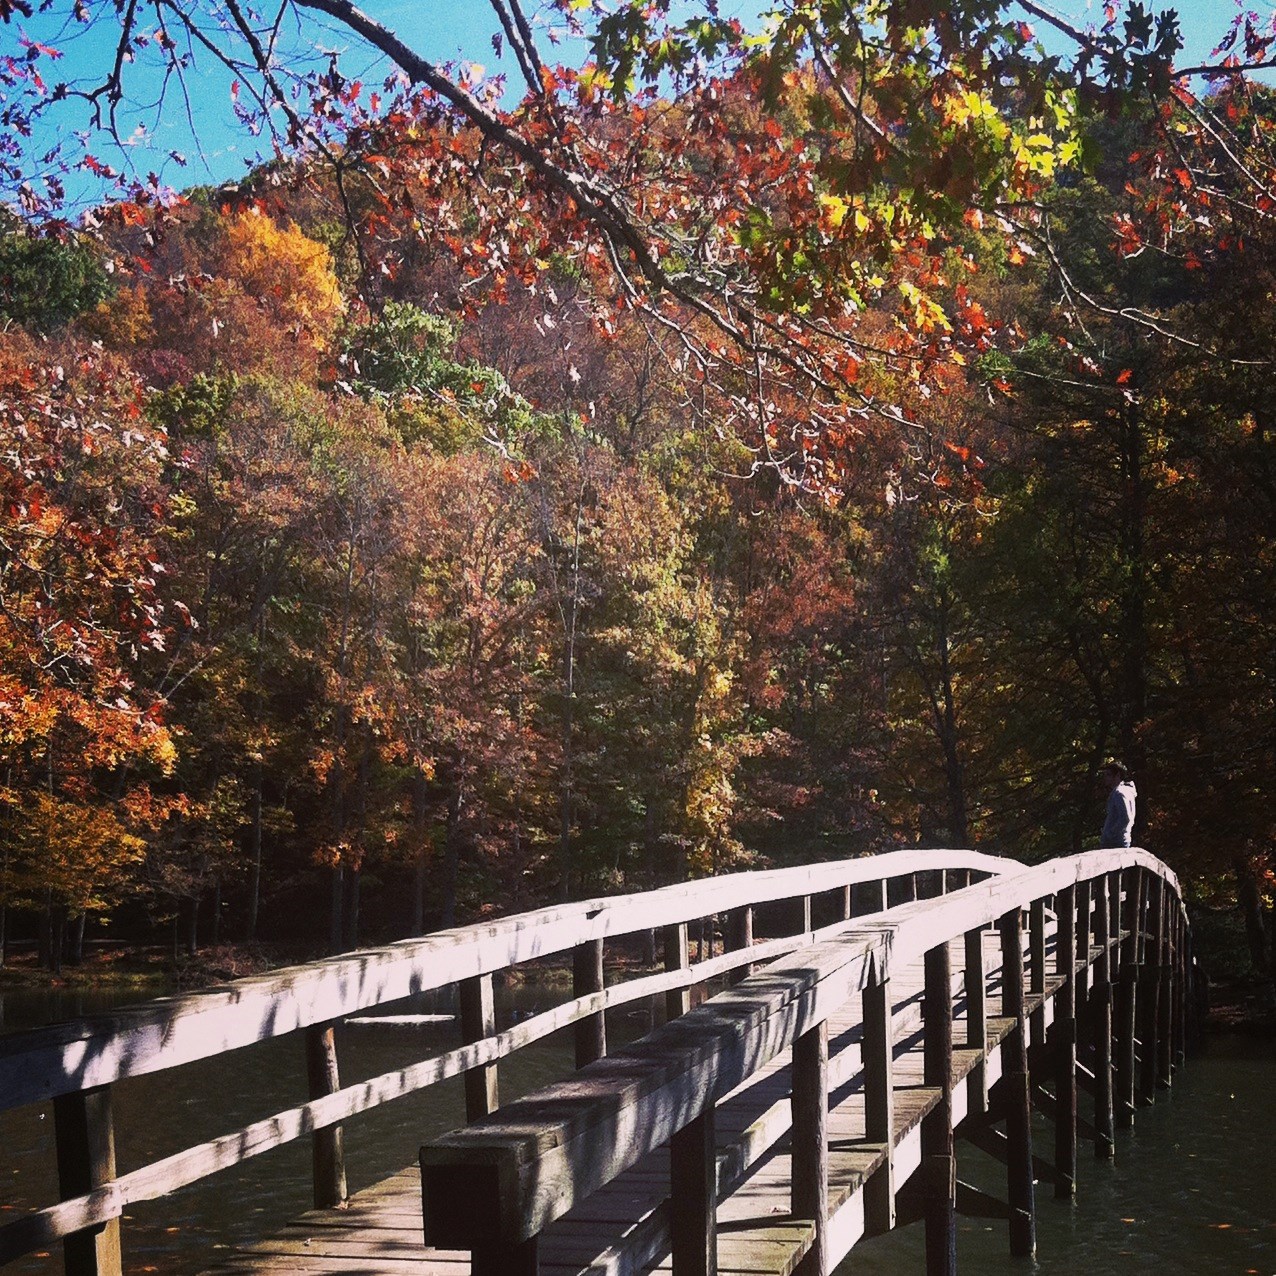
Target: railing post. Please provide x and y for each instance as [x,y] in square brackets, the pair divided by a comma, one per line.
[478,1022]
[1101,1022]
[1127,1000]
[693,1187]
[848,903]
[740,937]
[1180,983]
[677,957]
[1165,992]
[1149,996]
[1085,929]
[879,1104]
[1064,1034]
[803,911]
[939,1165]
[328,1147]
[1037,976]
[587,977]
[1018,1092]
[976,981]
[883,895]
[84,1133]
[809,1143]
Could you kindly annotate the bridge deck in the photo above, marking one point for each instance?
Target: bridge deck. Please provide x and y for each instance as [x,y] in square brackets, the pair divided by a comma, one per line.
[623,1229]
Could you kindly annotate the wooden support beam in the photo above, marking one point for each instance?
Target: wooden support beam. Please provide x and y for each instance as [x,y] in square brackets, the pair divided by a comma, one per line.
[1085,930]
[740,938]
[1063,1040]
[939,1164]
[1037,1045]
[1150,995]
[1101,1025]
[328,1146]
[975,1203]
[994,1143]
[879,1105]
[1126,1019]
[1017,1091]
[1165,996]
[693,1185]
[848,903]
[478,1021]
[677,957]
[587,977]
[85,1138]
[809,1144]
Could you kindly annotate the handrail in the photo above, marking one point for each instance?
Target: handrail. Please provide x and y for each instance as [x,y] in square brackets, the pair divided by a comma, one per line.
[171,1031]
[494,1186]
[76,1063]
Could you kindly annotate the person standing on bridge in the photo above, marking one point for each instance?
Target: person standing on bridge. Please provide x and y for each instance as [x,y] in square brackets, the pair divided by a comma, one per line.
[1118,823]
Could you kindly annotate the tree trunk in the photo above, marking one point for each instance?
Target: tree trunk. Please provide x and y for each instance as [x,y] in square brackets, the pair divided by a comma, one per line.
[452,854]
[352,908]
[1133,603]
[77,940]
[420,831]
[44,936]
[336,908]
[57,939]
[254,870]
[4,935]
[1251,905]
[215,924]
[192,926]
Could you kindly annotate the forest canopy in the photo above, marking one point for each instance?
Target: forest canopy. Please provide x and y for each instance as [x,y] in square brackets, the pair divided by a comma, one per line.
[737,446]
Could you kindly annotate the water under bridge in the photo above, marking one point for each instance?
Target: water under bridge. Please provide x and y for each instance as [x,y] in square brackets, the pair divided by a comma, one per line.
[812,1083]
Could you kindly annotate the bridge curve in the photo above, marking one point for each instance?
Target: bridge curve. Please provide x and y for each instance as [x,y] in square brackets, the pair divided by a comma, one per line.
[509,1188]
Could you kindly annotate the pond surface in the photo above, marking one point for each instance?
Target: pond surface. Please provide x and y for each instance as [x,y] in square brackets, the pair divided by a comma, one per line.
[1192,1191]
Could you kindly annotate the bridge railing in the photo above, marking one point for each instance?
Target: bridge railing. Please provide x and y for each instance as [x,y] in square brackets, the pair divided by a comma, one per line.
[75,1064]
[1117,920]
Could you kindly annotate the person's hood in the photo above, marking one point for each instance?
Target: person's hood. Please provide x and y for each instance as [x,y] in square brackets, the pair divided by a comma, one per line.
[1126,789]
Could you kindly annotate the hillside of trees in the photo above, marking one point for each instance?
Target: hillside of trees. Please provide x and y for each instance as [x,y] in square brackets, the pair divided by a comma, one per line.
[350,588]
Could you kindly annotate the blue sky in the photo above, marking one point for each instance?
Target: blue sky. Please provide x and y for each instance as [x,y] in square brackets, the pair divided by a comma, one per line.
[441,30]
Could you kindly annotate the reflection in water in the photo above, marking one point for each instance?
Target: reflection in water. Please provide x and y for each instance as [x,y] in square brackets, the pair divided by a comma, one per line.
[1191,1193]
[1193,1189]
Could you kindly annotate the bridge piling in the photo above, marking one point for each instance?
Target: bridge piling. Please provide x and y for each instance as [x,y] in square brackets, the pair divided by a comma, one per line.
[879,1103]
[976,982]
[1037,956]
[938,1158]
[1101,1021]
[693,1185]
[1150,998]
[1018,1092]
[1064,1037]
[1165,997]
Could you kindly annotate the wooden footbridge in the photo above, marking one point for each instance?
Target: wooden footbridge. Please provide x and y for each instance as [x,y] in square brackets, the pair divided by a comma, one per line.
[919,998]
